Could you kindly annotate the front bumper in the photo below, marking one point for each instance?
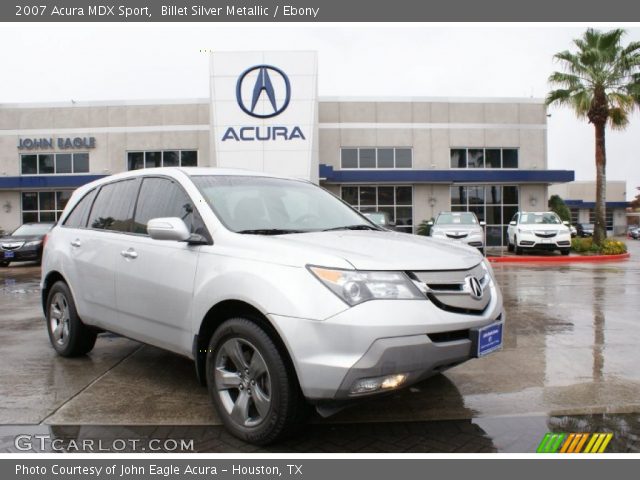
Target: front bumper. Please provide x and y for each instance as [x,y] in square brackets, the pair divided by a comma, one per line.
[377,338]
[540,243]
[21,255]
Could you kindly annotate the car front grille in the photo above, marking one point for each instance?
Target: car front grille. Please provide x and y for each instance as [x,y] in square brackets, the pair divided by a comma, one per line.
[9,246]
[452,290]
[543,234]
[457,235]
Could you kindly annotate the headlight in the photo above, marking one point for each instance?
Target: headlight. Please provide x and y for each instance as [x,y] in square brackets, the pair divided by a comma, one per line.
[355,286]
[438,233]
[34,243]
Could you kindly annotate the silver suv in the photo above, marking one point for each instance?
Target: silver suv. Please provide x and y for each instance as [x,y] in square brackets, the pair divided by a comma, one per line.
[282,294]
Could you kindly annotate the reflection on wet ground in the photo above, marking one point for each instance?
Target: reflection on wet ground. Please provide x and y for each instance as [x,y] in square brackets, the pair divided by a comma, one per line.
[486,435]
[569,363]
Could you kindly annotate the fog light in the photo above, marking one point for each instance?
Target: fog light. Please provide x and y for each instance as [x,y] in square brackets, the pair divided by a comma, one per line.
[370,385]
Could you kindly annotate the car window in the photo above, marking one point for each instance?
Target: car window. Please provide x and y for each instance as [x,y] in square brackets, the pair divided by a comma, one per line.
[456,218]
[540,218]
[78,216]
[113,207]
[161,197]
[32,229]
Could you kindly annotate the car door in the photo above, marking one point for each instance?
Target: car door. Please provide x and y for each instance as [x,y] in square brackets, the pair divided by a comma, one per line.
[95,250]
[155,278]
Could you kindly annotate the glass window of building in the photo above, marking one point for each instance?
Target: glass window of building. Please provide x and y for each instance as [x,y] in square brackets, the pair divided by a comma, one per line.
[494,204]
[370,157]
[484,158]
[44,206]
[54,163]
[162,158]
[396,201]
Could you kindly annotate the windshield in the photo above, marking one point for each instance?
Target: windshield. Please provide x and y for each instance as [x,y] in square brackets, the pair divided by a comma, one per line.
[540,218]
[587,226]
[463,218]
[273,205]
[378,218]
[32,229]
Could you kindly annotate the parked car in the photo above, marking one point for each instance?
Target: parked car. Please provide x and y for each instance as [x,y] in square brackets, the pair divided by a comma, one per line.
[382,219]
[282,294]
[460,226]
[584,229]
[573,230]
[538,230]
[634,232]
[24,244]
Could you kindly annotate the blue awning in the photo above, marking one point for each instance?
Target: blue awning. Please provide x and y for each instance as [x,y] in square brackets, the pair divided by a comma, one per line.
[581,204]
[448,176]
[46,182]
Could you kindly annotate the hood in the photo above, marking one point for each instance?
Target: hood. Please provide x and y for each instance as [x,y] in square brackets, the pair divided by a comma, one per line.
[456,228]
[20,238]
[374,250]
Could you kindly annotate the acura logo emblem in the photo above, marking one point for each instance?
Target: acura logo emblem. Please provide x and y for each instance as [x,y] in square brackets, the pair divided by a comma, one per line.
[271,85]
[473,287]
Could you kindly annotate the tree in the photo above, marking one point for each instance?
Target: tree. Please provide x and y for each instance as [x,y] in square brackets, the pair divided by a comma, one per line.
[556,204]
[600,82]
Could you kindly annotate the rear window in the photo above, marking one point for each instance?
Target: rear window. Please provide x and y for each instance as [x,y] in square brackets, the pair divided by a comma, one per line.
[78,216]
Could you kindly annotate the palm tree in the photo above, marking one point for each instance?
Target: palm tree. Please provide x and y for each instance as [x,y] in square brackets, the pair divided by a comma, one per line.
[600,82]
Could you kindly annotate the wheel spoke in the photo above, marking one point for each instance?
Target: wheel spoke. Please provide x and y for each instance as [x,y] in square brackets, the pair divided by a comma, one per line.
[240,412]
[233,349]
[226,380]
[65,330]
[257,366]
[57,332]
[56,312]
[261,401]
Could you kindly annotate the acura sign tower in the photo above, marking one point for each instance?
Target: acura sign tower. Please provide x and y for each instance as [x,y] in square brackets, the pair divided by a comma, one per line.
[264,112]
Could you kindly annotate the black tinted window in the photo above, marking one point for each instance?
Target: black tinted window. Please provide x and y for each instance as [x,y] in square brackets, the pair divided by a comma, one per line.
[78,217]
[161,197]
[113,208]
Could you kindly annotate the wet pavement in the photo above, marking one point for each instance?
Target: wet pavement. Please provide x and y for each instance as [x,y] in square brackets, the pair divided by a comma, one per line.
[569,363]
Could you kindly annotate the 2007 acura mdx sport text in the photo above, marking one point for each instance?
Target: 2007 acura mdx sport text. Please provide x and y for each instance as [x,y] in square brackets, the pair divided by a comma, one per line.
[282,294]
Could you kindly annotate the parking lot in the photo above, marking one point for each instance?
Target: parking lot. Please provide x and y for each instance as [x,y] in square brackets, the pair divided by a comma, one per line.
[569,363]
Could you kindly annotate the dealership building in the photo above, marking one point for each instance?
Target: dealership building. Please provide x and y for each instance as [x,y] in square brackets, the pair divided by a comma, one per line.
[409,156]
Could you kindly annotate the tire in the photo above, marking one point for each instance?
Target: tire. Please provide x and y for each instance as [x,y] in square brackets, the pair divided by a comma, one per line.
[67,334]
[509,246]
[281,410]
[4,264]
[516,248]
[565,251]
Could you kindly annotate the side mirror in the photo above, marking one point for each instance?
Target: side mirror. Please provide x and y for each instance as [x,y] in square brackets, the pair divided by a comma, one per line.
[430,223]
[483,223]
[512,222]
[169,228]
[565,223]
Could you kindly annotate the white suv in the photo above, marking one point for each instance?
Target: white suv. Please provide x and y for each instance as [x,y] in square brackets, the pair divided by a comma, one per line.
[538,230]
[281,293]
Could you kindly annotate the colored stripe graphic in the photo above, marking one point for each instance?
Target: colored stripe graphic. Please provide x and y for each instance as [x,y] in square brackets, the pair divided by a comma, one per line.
[574,443]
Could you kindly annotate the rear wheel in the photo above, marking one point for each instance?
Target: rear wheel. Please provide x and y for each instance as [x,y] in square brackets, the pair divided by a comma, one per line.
[68,335]
[254,391]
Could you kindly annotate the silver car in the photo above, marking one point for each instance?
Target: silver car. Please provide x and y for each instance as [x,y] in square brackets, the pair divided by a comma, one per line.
[283,295]
[460,226]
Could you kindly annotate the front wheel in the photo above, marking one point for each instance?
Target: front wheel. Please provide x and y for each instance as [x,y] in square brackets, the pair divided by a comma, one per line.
[68,335]
[254,391]
[565,251]
[516,248]
[4,264]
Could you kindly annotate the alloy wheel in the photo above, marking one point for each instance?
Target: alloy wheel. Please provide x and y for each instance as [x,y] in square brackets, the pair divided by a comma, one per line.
[59,320]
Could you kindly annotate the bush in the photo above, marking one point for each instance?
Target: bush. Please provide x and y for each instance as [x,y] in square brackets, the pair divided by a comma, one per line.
[608,247]
[424,228]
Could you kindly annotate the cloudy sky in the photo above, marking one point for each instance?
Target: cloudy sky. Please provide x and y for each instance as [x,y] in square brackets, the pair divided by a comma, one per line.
[100,62]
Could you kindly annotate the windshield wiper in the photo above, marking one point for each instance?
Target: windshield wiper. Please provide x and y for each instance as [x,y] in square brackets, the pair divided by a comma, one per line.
[270,231]
[361,226]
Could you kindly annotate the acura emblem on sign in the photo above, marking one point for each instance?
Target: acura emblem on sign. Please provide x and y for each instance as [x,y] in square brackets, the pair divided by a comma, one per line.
[473,287]
[263,88]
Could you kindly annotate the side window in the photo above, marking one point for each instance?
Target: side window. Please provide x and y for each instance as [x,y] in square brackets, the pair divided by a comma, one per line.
[161,197]
[113,207]
[78,217]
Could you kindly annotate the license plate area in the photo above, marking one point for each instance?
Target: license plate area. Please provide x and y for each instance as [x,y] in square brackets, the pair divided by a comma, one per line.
[487,339]
[9,255]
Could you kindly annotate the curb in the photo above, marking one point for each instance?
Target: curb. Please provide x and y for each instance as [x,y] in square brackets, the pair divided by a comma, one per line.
[562,259]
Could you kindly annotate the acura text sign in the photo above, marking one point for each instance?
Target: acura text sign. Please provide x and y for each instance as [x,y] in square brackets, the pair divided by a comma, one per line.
[264,112]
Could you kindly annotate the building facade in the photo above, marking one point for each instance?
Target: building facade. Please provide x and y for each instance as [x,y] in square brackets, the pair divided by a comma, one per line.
[580,197]
[409,157]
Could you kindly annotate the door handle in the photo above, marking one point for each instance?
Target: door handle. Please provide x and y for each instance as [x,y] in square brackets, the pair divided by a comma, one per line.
[76,243]
[130,253]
